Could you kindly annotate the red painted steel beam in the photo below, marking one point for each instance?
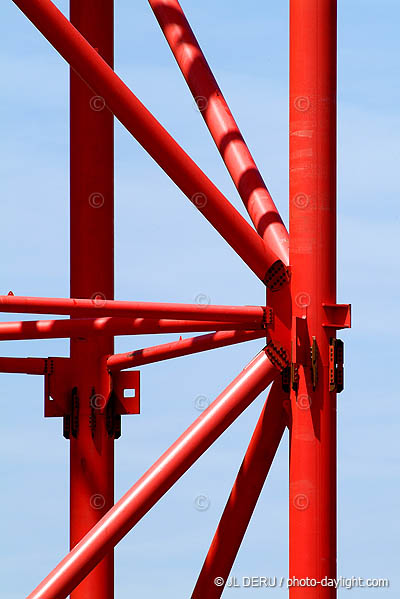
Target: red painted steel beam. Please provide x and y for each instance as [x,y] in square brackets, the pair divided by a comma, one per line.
[94,327]
[84,59]
[244,496]
[99,306]
[183,347]
[222,126]
[23,365]
[91,274]
[312,510]
[158,479]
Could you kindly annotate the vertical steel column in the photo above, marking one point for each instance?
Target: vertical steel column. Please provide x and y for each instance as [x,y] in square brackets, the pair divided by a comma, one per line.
[92,274]
[313,260]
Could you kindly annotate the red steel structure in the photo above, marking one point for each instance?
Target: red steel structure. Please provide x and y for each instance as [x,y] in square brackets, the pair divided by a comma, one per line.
[302,357]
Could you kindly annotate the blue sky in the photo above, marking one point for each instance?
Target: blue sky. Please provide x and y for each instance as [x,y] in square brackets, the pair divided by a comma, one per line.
[248,51]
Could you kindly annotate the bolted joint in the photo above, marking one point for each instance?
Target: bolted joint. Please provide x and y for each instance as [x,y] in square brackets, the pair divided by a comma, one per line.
[286,380]
[294,376]
[278,355]
[277,276]
[336,365]
[71,419]
[268,317]
[113,418]
[314,363]
[63,401]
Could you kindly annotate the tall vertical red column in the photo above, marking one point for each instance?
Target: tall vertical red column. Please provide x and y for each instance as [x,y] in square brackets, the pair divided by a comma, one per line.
[313,261]
[92,276]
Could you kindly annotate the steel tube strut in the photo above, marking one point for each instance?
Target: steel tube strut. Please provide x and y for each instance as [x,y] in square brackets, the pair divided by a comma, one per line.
[312,509]
[158,479]
[244,496]
[99,306]
[92,272]
[23,365]
[183,347]
[84,59]
[222,126]
[94,327]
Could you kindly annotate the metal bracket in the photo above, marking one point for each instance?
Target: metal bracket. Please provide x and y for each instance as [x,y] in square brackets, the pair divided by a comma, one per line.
[125,387]
[71,420]
[300,341]
[336,365]
[314,363]
[294,376]
[113,419]
[338,316]
[124,399]
[57,388]
[62,400]
[286,380]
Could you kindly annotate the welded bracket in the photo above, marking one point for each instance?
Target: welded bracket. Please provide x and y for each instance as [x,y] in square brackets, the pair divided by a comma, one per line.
[125,386]
[336,365]
[338,316]
[314,363]
[71,420]
[294,376]
[61,398]
[57,388]
[124,399]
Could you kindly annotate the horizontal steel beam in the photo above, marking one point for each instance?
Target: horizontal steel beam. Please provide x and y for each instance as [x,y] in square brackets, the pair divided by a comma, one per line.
[118,98]
[23,365]
[222,126]
[120,519]
[100,306]
[183,347]
[89,327]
